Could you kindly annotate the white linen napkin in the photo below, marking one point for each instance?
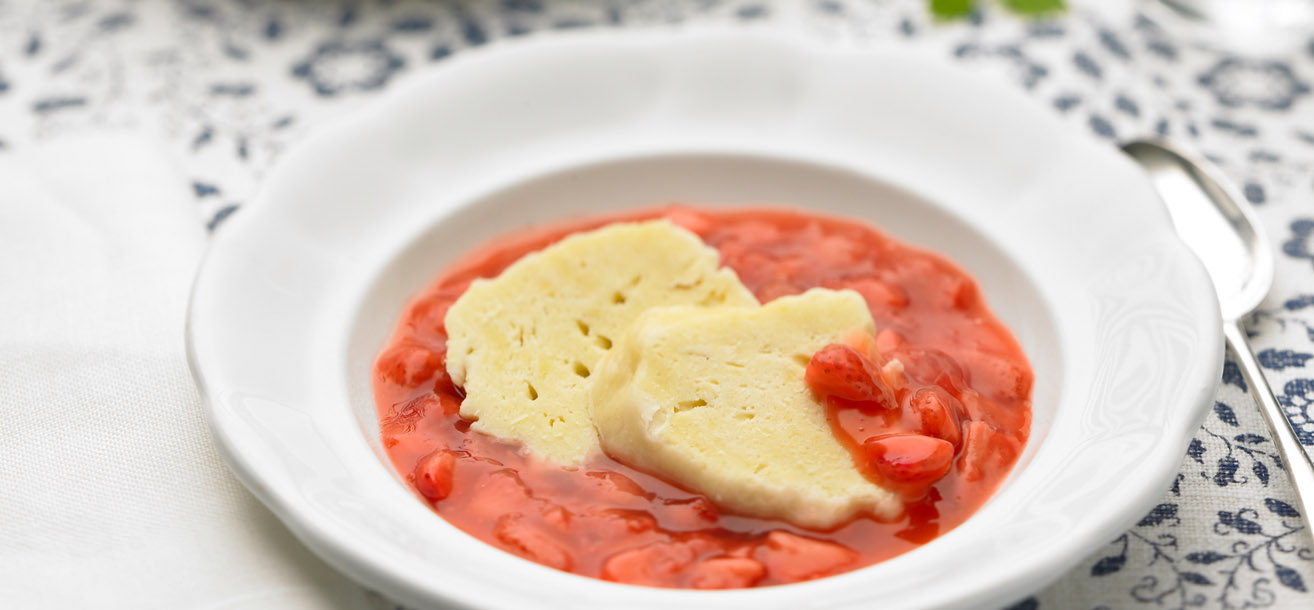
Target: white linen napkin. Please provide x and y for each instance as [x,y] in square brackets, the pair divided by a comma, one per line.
[112,493]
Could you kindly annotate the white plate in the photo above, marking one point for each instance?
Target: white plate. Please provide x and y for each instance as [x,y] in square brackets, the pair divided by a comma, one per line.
[1067,239]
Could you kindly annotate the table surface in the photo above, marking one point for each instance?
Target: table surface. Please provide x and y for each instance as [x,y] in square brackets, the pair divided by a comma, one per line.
[229,83]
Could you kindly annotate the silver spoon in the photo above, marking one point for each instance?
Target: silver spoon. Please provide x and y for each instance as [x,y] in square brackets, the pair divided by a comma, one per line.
[1210,217]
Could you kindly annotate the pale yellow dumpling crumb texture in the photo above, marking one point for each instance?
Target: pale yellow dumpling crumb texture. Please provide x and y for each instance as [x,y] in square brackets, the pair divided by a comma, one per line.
[715,400]
[524,345]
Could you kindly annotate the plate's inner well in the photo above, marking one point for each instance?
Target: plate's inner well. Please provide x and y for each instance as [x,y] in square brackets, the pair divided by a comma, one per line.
[703,179]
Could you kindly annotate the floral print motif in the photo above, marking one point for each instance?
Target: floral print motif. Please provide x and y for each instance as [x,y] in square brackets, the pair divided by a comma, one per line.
[1186,554]
[1298,245]
[337,65]
[1264,544]
[1296,398]
[1267,84]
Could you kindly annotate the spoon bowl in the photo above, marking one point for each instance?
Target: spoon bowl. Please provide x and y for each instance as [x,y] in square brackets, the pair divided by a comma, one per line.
[1209,217]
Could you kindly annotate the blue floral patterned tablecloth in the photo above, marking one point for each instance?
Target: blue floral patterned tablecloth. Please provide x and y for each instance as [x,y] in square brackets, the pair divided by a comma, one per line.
[229,83]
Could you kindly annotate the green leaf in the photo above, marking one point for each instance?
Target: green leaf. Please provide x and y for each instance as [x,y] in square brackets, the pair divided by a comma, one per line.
[1034,8]
[952,9]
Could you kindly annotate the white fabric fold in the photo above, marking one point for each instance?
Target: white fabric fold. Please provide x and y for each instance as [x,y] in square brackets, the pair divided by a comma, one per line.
[112,492]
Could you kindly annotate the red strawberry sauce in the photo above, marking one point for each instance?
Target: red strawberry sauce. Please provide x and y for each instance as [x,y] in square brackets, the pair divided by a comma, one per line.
[943,425]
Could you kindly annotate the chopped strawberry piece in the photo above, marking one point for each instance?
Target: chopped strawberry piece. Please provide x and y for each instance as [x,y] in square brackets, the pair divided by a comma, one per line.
[864,343]
[409,365]
[975,408]
[985,449]
[893,375]
[531,543]
[557,515]
[727,573]
[938,414]
[999,378]
[656,565]
[745,550]
[433,475]
[932,366]
[776,289]
[689,220]
[500,492]
[888,340]
[616,487]
[909,460]
[632,521]
[880,294]
[687,514]
[875,409]
[962,293]
[791,558]
[839,371]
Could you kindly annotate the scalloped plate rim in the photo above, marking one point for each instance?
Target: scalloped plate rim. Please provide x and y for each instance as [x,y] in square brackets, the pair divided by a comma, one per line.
[347,554]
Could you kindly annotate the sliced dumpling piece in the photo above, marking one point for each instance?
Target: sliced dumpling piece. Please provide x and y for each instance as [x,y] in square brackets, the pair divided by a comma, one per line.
[714,399]
[523,345]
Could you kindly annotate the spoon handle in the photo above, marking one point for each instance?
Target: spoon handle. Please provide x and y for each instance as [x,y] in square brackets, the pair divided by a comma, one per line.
[1294,459]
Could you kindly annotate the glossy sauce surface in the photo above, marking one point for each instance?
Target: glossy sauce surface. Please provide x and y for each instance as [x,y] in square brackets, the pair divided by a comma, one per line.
[964,382]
